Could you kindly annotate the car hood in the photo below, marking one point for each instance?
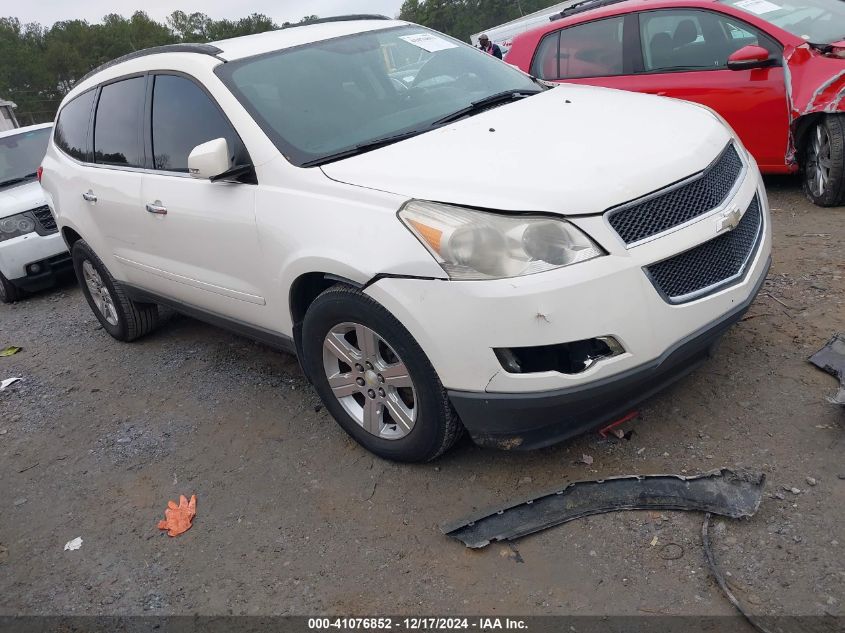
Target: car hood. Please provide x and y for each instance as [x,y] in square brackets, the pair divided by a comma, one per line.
[572,150]
[21,197]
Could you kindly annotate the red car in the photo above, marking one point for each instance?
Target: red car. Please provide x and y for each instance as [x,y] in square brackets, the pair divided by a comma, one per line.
[774,69]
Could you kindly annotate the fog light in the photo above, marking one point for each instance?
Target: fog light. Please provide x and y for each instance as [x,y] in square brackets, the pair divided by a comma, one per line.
[565,358]
[34,269]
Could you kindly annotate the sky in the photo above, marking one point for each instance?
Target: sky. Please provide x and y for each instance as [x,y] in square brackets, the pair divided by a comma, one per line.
[49,11]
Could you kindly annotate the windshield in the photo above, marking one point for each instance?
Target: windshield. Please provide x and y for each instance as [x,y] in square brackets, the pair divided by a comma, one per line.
[319,101]
[21,154]
[817,21]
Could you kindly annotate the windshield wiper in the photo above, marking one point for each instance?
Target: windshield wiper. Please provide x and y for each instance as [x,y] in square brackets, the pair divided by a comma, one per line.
[473,108]
[483,104]
[14,181]
[362,148]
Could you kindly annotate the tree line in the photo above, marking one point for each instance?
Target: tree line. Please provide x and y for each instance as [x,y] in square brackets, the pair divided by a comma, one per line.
[39,65]
[462,18]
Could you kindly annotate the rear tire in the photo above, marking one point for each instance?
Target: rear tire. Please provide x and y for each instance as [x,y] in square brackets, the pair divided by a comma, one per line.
[823,162]
[9,292]
[384,392]
[119,315]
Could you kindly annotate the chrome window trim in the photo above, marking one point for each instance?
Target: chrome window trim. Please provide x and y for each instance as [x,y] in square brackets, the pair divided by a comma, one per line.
[138,170]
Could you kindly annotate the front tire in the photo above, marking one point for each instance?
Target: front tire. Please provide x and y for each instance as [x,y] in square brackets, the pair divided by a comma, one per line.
[823,162]
[9,292]
[375,379]
[119,315]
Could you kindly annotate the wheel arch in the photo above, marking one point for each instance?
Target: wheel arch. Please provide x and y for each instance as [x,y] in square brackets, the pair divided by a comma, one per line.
[70,236]
[304,290]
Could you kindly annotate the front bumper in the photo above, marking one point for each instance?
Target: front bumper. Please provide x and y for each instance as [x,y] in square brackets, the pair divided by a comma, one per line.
[535,420]
[19,253]
[459,324]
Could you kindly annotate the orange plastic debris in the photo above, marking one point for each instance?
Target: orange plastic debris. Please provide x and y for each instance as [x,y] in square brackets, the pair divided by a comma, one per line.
[179,517]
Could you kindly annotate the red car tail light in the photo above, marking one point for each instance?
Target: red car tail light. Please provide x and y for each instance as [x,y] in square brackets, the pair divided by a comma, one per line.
[39,172]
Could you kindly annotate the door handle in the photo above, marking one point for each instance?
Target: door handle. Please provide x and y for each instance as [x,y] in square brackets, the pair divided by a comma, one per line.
[89,196]
[157,208]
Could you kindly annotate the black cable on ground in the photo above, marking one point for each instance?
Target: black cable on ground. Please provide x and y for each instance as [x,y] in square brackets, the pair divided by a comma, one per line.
[711,561]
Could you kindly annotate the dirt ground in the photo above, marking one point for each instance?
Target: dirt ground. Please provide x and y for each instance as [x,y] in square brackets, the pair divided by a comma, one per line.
[294,518]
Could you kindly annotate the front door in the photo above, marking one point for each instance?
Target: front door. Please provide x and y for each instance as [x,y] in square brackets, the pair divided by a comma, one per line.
[202,240]
[685,54]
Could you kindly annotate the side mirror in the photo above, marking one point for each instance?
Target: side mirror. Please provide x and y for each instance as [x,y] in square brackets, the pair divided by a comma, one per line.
[209,160]
[750,57]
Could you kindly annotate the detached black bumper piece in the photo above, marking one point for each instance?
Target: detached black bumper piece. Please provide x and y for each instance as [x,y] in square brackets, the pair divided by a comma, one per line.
[729,493]
[47,271]
[527,421]
[831,358]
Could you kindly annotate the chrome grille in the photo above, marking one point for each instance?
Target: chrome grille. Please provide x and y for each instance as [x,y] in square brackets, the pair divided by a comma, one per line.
[712,265]
[667,209]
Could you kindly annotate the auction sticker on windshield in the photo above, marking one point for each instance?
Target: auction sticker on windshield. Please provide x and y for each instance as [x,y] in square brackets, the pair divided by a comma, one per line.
[429,42]
[757,6]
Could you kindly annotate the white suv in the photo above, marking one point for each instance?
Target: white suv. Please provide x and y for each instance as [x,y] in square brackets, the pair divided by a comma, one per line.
[465,250]
[32,252]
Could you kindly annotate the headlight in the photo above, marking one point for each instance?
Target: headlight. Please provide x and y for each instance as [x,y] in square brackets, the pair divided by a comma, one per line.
[472,244]
[16,225]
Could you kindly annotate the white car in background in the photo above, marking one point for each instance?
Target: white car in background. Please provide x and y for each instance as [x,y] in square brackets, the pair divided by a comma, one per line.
[503,34]
[32,251]
[471,251]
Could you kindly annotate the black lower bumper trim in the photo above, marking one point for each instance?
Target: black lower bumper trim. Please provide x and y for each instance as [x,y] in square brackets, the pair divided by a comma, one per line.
[51,268]
[525,421]
[729,493]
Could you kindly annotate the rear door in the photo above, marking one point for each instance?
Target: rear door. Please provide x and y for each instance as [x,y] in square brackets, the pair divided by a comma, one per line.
[597,53]
[201,236]
[684,55]
[65,181]
[114,194]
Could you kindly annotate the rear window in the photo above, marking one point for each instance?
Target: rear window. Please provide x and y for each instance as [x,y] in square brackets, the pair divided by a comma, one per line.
[117,127]
[593,49]
[72,127]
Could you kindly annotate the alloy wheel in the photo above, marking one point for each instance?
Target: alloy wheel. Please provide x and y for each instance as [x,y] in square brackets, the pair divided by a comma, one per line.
[99,293]
[370,381]
[819,161]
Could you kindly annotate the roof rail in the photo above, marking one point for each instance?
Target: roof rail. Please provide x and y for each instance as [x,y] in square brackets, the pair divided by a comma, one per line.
[581,7]
[339,18]
[204,49]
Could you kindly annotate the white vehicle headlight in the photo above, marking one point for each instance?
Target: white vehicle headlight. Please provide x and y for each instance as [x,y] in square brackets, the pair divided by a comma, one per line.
[16,225]
[471,244]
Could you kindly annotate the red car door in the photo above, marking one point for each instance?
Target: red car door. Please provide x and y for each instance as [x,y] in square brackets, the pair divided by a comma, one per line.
[684,55]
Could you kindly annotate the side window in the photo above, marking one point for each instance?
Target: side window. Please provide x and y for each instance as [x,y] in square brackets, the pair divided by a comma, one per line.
[677,40]
[594,49]
[117,125]
[545,65]
[183,117]
[71,133]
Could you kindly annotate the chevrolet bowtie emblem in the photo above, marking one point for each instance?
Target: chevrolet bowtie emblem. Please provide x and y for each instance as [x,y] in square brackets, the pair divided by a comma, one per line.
[728,221]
